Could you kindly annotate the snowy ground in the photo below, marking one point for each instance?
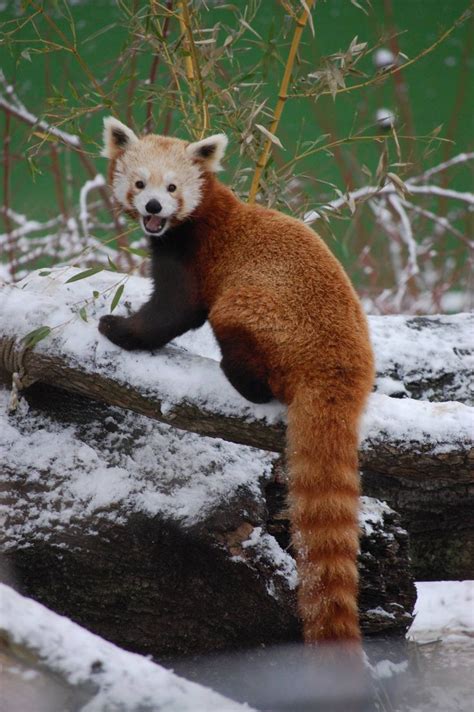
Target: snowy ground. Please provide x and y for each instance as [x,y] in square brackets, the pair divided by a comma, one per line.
[443,658]
[95,676]
[113,679]
[444,610]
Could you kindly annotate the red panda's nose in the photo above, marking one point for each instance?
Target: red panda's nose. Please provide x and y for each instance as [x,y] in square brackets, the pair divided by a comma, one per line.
[153,206]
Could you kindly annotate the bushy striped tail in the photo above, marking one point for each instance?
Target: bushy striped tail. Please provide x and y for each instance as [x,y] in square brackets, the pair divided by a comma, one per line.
[324,499]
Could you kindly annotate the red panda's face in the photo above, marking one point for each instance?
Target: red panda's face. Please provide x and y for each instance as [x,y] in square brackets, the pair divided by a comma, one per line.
[156,178]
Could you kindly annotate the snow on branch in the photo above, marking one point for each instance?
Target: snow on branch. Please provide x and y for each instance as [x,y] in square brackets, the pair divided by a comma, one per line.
[10,102]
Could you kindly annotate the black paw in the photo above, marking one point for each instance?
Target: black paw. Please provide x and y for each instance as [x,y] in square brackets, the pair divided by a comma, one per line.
[117,330]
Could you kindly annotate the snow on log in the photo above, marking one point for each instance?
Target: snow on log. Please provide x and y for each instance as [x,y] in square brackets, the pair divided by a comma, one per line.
[416,454]
[50,663]
[182,384]
[163,541]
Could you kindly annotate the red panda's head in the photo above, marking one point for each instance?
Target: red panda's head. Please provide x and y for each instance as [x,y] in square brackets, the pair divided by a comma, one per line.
[158,179]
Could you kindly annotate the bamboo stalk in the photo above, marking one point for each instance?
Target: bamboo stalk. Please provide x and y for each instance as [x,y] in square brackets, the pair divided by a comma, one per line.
[154,69]
[282,97]
[193,70]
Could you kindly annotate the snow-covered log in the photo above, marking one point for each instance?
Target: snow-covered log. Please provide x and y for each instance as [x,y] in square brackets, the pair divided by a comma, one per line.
[182,384]
[50,663]
[163,541]
[417,454]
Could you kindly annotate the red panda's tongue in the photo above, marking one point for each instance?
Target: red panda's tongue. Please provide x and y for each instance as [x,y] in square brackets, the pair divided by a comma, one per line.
[154,223]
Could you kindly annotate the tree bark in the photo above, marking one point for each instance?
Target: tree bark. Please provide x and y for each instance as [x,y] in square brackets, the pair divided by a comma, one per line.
[138,570]
[382,449]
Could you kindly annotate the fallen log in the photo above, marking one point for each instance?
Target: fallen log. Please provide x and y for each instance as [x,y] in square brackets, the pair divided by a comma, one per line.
[181,387]
[417,454]
[163,541]
[428,357]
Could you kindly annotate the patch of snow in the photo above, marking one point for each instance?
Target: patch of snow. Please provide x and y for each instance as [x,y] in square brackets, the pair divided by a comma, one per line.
[267,547]
[385,118]
[125,681]
[439,425]
[371,514]
[390,386]
[444,609]
[383,57]
[379,611]
[450,61]
[386,669]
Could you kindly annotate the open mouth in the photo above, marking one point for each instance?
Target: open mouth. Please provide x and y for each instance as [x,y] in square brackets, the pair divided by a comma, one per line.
[153,224]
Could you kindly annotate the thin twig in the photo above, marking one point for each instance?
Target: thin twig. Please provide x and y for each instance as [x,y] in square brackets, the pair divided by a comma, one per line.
[6,195]
[71,47]
[437,219]
[282,97]
[460,158]
[393,70]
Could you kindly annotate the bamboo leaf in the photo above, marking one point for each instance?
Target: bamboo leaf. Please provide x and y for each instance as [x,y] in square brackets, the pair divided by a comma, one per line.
[140,252]
[274,139]
[112,265]
[83,275]
[83,313]
[117,295]
[35,336]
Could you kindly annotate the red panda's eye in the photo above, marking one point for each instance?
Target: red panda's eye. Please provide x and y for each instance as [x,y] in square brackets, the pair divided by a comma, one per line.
[171,188]
[139,184]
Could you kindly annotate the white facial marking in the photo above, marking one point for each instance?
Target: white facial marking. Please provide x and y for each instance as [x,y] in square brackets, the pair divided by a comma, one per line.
[158,163]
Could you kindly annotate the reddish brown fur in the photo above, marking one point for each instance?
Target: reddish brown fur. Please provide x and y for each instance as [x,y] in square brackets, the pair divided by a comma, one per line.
[271,280]
[282,306]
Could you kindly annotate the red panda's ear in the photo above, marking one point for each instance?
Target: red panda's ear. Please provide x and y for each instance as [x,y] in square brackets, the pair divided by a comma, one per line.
[117,137]
[209,152]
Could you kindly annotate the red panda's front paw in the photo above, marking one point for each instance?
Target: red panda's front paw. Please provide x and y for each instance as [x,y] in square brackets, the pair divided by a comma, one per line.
[117,330]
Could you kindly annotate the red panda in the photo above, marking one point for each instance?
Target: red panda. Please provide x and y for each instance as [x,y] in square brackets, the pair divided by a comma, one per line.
[289,326]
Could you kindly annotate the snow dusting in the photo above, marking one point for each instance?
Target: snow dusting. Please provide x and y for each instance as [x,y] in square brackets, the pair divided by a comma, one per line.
[132,464]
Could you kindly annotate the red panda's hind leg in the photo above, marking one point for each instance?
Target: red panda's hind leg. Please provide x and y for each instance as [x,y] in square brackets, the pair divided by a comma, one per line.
[236,318]
[242,365]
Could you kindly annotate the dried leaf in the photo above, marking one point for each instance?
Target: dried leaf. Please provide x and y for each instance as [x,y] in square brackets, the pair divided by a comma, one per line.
[351,203]
[382,164]
[274,139]
[356,4]
[399,185]
[397,144]
[112,265]
[310,17]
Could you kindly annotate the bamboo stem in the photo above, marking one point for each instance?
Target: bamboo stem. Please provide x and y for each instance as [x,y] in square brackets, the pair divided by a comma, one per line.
[193,70]
[154,68]
[282,97]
